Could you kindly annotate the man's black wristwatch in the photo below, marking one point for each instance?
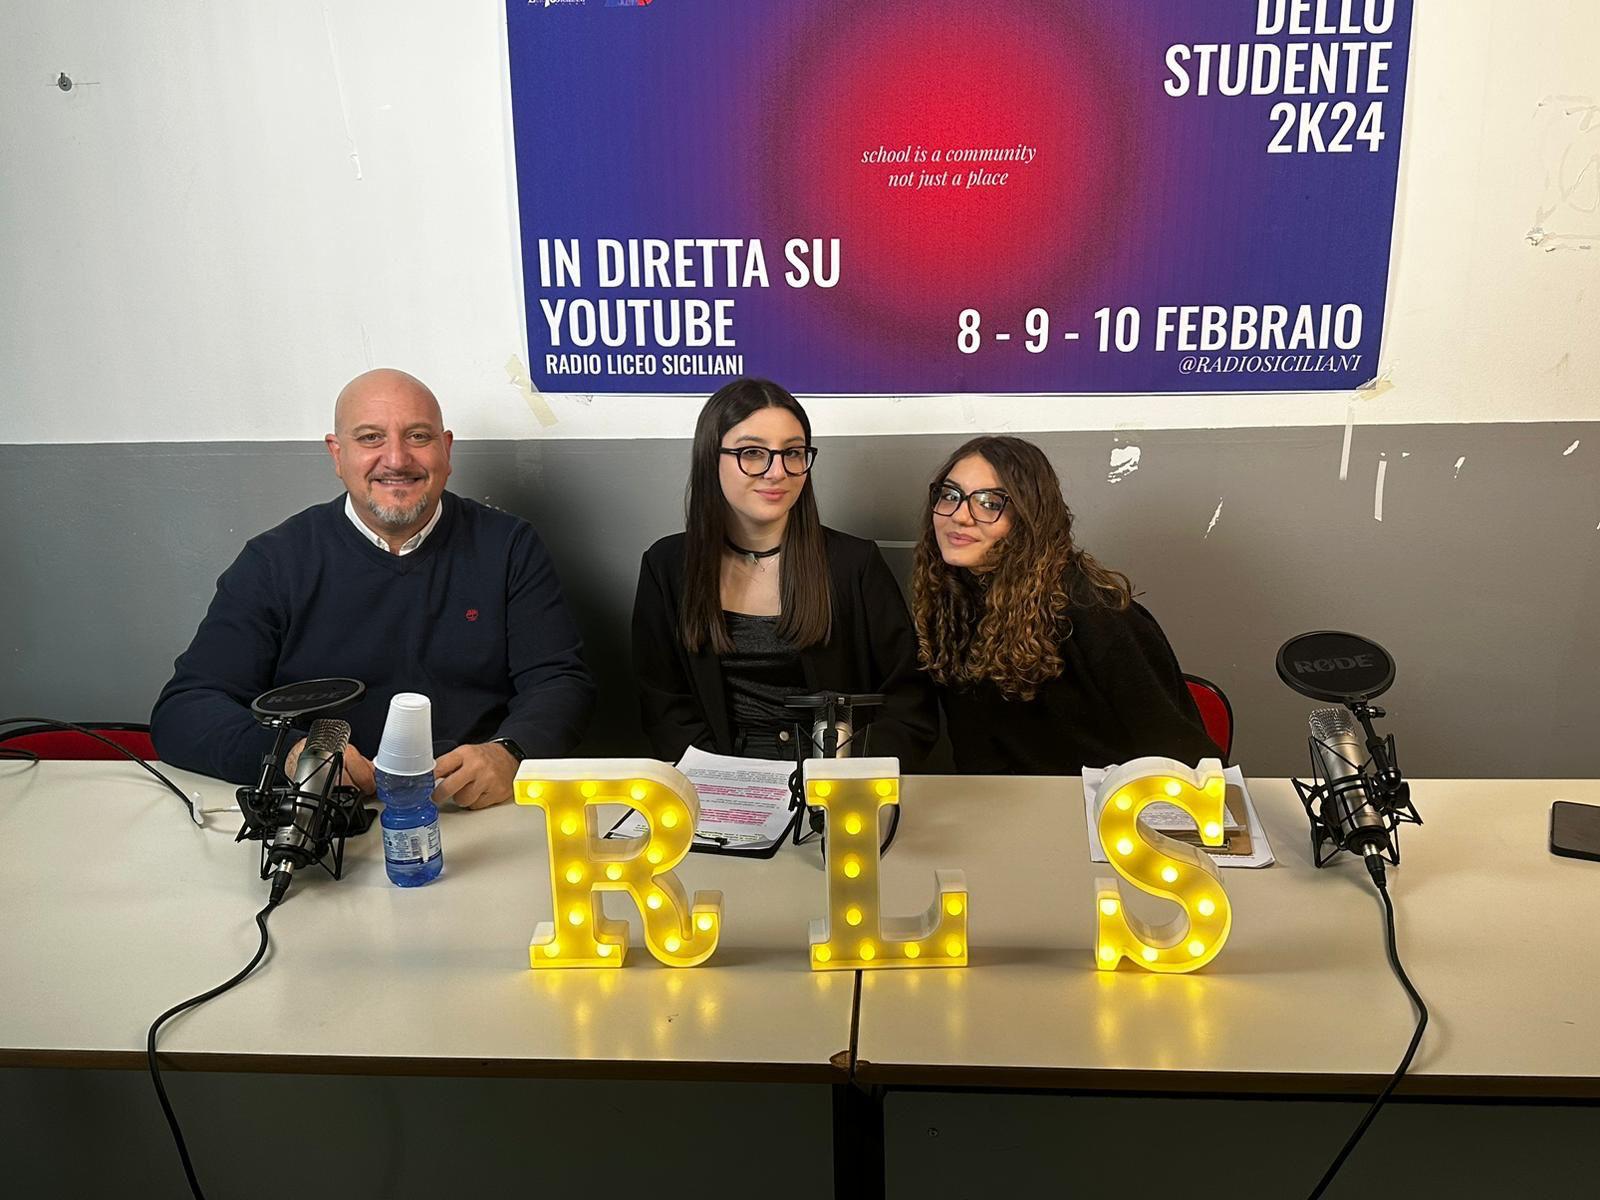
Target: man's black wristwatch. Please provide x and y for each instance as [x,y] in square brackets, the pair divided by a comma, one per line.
[516,750]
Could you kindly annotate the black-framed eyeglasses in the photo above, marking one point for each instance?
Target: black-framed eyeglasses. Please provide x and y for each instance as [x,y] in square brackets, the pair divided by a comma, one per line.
[985,504]
[757,460]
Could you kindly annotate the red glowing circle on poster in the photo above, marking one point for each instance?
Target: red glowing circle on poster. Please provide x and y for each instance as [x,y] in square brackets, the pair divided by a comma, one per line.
[1000,141]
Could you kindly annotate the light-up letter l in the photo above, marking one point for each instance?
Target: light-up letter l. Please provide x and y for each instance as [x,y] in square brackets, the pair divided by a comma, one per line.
[1163,867]
[852,935]
[582,866]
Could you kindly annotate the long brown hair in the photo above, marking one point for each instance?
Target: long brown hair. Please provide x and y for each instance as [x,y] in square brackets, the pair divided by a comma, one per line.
[805,597]
[1006,626]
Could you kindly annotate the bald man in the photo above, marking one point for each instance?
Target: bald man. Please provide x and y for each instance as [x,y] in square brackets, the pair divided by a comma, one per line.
[402,585]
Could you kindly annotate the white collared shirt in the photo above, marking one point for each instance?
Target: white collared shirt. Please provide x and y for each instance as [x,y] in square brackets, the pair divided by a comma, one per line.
[409,544]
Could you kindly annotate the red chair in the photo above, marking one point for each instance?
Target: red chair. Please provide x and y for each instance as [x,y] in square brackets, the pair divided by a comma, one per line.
[50,742]
[1215,712]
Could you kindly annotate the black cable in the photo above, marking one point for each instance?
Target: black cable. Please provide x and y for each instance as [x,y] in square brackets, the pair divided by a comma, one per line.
[17,752]
[797,800]
[797,803]
[150,1045]
[1411,1050]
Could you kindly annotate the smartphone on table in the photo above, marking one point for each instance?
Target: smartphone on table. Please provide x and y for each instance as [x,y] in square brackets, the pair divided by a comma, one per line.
[1575,830]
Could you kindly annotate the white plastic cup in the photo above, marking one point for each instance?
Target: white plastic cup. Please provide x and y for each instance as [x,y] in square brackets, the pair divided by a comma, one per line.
[407,744]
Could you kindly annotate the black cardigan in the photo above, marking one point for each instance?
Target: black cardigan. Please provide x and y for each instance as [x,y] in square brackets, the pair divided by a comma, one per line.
[1120,695]
[682,699]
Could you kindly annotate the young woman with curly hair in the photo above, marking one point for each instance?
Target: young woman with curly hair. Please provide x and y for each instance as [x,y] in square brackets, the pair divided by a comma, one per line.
[757,601]
[1044,662]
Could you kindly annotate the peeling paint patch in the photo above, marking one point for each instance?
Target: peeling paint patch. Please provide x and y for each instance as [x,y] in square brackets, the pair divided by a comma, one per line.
[338,83]
[1537,236]
[1460,462]
[1377,491]
[1349,432]
[1215,517]
[1380,383]
[1571,448]
[517,374]
[1568,137]
[1124,462]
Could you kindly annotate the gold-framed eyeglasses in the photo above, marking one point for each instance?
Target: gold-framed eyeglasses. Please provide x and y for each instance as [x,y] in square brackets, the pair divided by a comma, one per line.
[985,504]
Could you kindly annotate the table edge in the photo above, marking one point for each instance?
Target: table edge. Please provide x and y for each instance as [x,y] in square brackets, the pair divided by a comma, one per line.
[1282,1085]
[835,1071]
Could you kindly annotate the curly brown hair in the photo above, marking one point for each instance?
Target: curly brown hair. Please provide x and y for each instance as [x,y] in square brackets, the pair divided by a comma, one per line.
[1006,625]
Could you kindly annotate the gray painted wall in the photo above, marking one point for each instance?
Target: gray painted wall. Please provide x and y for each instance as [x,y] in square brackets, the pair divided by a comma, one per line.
[1480,583]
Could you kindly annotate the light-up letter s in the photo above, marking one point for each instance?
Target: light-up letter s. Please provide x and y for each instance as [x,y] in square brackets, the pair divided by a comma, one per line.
[1157,864]
[582,865]
[852,935]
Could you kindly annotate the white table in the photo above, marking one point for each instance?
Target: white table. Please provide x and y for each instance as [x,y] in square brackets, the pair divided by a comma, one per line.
[1033,1073]
[116,907]
[1501,938]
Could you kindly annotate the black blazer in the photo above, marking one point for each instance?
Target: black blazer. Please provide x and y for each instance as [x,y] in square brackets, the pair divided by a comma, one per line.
[682,699]
[1120,695]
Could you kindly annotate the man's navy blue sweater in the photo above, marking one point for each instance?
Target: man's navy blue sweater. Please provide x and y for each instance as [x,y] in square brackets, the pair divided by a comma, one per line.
[473,619]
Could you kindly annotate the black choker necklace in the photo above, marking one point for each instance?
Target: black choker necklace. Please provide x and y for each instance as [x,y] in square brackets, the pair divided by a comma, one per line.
[751,556]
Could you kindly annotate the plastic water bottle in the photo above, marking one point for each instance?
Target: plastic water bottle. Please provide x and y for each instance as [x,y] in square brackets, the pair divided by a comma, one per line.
[412,854]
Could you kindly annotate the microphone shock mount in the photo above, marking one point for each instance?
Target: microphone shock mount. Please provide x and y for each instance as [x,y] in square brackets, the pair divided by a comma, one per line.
[299,826]
[1375,782]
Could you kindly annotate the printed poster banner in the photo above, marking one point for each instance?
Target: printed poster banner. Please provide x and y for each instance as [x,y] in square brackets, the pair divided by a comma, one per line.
[934,196]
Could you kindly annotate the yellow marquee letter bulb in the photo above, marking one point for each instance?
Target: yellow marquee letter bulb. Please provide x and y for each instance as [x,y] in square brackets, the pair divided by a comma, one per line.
[854,935]
[678,932]
[1161,866]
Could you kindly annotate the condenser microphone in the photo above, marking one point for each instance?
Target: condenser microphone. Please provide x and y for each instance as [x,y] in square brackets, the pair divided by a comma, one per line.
[1348,807]
[837,720]
[302,839]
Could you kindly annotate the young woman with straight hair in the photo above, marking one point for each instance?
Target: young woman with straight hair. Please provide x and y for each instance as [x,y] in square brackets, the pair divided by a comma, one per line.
[1043,660]
[756,601]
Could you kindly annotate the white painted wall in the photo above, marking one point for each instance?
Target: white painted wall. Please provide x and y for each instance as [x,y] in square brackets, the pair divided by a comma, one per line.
[240,205]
